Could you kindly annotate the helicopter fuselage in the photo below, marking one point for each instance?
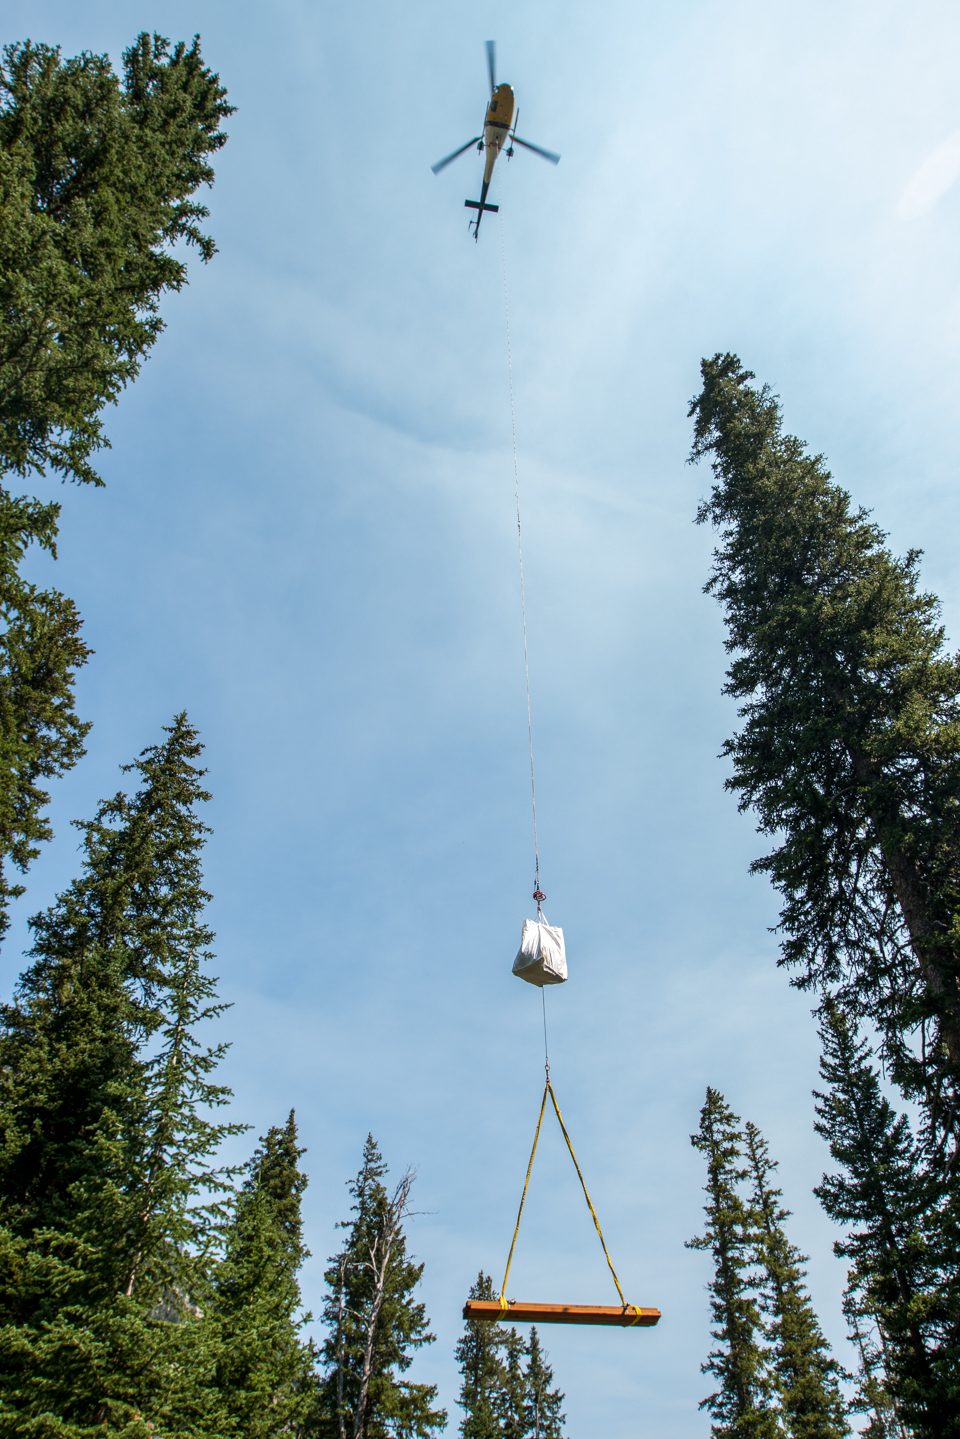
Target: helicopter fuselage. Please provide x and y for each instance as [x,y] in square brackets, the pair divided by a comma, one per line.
[496,127]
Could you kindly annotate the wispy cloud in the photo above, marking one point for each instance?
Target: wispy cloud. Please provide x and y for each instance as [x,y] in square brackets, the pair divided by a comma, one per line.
[933,179]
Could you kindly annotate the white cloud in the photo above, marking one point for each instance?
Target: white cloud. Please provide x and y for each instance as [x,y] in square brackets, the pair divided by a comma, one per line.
[932,181]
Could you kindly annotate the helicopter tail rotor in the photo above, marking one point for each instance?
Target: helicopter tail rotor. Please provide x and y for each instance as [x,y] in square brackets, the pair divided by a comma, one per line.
[492,64]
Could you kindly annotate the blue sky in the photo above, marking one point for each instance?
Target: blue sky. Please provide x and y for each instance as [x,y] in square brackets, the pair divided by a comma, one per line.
[307,540]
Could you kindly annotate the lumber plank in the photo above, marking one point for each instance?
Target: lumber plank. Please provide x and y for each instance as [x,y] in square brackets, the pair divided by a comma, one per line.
[630,1316]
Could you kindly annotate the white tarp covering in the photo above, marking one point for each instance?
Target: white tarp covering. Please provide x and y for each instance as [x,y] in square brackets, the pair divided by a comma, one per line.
[542,958]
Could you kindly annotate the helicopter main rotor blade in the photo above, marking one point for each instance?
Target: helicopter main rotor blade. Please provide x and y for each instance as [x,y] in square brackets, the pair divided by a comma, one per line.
[492,64]
[544,154]
[442,164]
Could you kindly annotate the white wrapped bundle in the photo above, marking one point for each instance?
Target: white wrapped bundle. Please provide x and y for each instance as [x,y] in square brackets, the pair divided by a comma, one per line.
[541,958]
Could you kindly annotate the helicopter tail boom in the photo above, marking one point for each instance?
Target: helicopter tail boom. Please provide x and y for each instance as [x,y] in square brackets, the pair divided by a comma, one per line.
[480,205]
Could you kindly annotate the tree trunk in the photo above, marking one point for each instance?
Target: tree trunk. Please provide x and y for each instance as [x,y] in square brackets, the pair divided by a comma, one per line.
[380,1256]
[340,1354]
[914,906]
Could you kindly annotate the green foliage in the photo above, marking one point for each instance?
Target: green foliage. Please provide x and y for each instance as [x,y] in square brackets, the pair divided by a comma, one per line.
[96,180]
[40,649]
[804,1374]
[107,1181]
[501,1398]
[850,746]
[168,946]
[478,1354]
[903,1238]
[263,1370]
[373,1320]
[871,1395]
[741,1406]
[542,1408]
[512,1399]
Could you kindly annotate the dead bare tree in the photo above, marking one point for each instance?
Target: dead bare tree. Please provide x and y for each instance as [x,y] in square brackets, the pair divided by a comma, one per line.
[377,1261]
[374,1323]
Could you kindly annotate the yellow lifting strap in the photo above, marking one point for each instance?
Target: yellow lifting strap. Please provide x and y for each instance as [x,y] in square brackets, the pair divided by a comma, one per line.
[548,1089]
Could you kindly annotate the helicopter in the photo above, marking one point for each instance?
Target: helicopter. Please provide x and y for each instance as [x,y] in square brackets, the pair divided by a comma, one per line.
[499,128]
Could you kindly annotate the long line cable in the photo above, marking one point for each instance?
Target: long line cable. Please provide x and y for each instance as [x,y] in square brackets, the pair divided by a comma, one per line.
[537,893]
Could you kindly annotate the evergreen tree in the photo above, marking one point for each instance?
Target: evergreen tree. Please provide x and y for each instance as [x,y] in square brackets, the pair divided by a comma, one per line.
[804,1373]
[97,178]
[543,1417]
[264,1370]
[741,1407]
[478,1353]
[850,746]
[903,1237]
[107,1183]
[374,1321]
[512,1407]
[40,649]
[501,1398]
[870,1395]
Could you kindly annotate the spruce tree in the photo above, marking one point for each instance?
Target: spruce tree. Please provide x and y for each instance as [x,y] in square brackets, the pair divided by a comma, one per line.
[263,1368]
[870,1395]
[478,1354]
[741,1406]
[107,1180]
[503,1398]
[543,1417]
[512,1407]
[98,175]
[373,1320]
[804,1374]
[902,1233]
[849,751]
[40,650]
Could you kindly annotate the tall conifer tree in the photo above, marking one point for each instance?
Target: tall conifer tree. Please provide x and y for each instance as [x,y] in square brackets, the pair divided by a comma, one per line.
[849,750]
[263,1368]
[870,1396]
[106,1169]
[373,1320]
[97,179]
[505,1398]
[512,1407]
[741,1406]
[903,1238]
[544,1420]
[804,1373]
[40,651]
[478,1354]
[98,175]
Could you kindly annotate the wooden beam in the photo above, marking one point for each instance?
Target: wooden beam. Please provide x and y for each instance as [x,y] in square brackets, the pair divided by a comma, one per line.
[628,1317]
